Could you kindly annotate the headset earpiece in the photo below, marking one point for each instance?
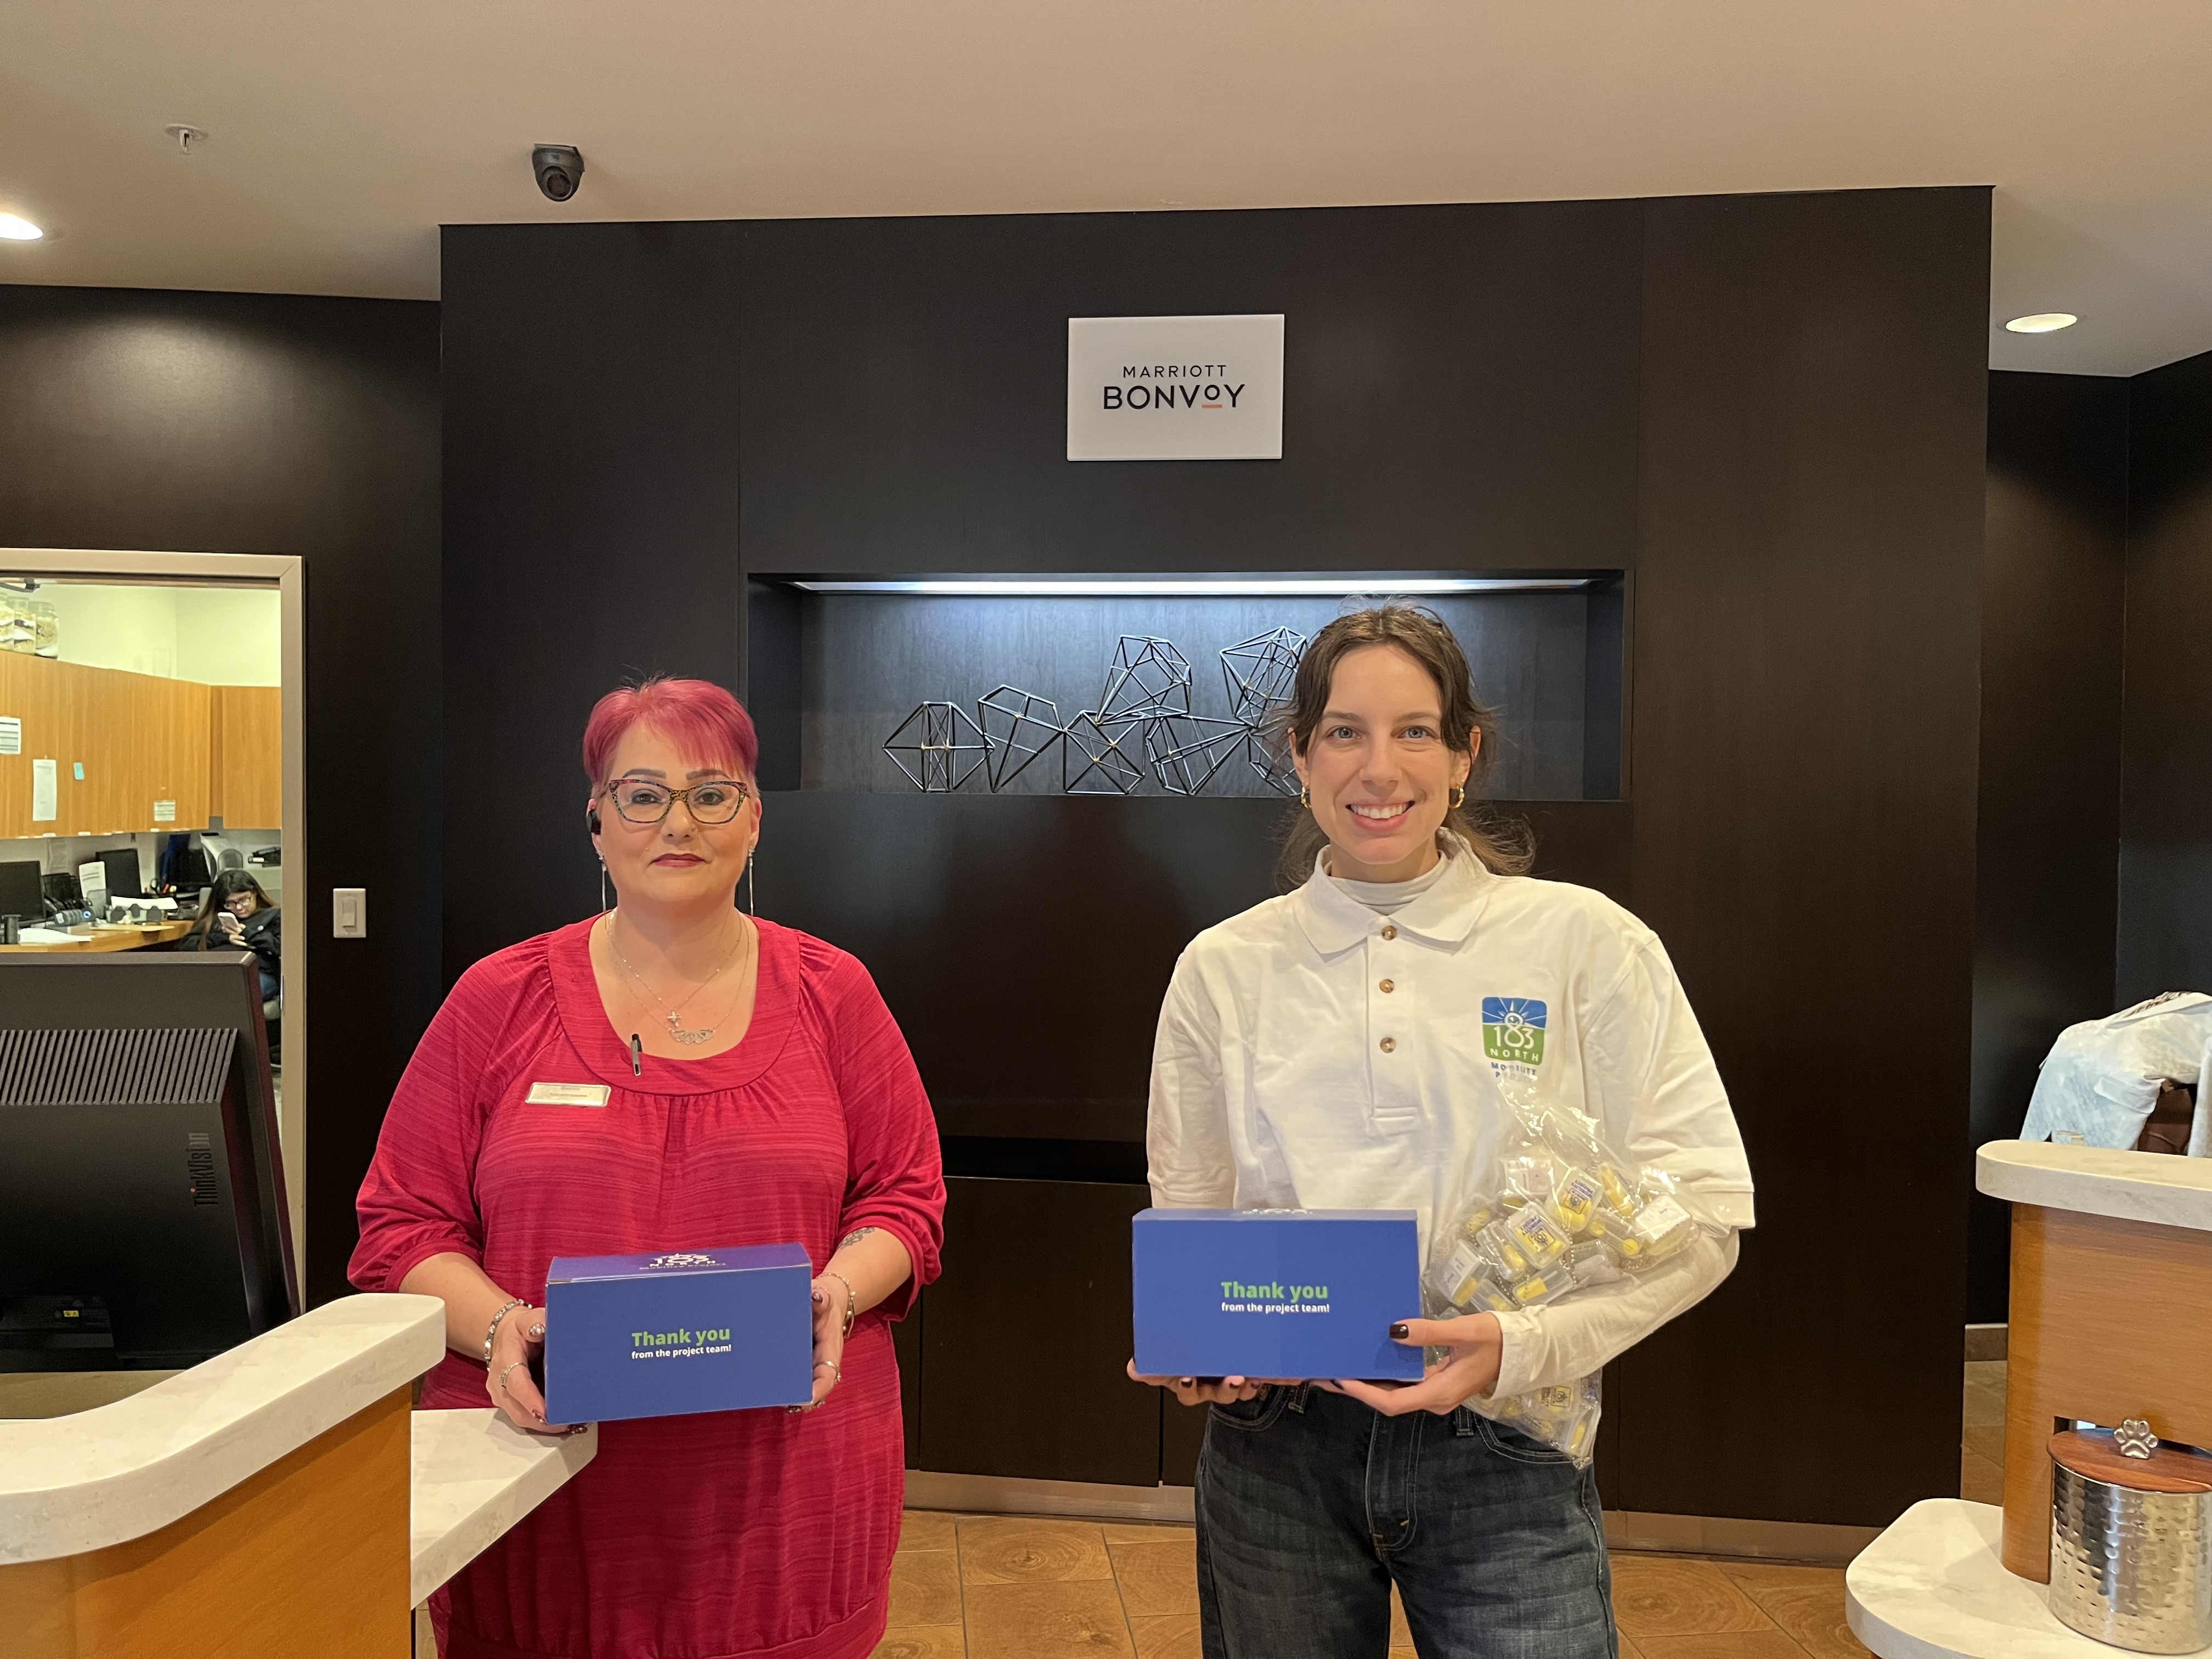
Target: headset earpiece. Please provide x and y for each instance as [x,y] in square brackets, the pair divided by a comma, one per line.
[592,820]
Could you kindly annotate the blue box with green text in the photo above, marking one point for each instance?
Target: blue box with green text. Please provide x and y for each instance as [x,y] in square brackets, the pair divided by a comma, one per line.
[1275,1293]
[711,1330]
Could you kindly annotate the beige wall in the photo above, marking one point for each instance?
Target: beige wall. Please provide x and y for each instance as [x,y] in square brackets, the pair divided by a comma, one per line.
[215,635]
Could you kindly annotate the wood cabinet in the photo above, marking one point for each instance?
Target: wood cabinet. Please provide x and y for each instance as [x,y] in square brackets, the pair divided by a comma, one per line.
[246,757]
[140,739]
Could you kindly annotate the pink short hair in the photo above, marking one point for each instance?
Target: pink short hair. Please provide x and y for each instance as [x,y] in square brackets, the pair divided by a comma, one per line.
[701,718]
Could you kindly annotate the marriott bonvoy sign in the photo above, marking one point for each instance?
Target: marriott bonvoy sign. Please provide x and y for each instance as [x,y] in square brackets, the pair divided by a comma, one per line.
[1174,388]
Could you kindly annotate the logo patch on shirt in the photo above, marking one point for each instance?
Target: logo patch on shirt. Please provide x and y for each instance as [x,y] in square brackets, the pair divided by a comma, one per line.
[1513,1029]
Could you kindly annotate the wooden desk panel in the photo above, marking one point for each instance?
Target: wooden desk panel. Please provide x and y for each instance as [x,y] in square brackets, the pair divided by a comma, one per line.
[310,1555]
[109,939]
[2108,1322]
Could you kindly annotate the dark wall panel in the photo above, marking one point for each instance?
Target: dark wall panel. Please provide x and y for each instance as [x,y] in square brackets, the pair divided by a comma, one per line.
[259,423]
[2047,879]
[1770,411]
[1027,1337]
[590,527]
[2166,815]
[1806,651]
[1459,391]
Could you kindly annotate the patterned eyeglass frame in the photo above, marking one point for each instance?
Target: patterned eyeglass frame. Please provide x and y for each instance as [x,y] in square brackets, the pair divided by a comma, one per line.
[744,794]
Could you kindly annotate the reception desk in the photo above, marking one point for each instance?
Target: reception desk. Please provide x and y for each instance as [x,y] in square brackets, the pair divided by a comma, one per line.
[281,1499]
[2111,1271]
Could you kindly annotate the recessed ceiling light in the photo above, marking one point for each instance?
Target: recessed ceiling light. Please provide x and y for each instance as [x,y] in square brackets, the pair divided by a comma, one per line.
[2043,322]
[16,228]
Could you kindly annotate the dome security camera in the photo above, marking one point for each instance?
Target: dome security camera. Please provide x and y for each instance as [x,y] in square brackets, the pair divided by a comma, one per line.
[560,170]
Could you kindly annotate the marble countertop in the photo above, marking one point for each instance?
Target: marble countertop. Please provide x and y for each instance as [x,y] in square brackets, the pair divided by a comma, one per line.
[475,1475]
[1932,1587]
[120,1471]
[2157,1186]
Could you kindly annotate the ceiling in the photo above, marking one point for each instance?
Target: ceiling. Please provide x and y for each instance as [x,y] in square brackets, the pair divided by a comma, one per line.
[343,135]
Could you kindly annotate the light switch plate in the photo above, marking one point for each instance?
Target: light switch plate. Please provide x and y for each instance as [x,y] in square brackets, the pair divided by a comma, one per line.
[349,913]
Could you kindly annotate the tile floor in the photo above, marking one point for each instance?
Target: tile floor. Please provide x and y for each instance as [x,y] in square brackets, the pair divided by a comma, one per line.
[978,1587]
[1008,1586]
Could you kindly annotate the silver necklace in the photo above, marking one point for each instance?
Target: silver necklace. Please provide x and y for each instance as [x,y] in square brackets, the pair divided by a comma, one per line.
[676,1031]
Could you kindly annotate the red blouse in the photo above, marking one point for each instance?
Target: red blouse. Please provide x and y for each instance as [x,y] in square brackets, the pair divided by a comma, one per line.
[754,1531]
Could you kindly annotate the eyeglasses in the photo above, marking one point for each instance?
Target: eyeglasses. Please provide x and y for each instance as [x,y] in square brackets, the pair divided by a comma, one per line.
[641,801]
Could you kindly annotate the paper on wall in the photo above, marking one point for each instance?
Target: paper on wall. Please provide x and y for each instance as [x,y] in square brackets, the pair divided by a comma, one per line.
[45,791]
[11,735]
[165,812]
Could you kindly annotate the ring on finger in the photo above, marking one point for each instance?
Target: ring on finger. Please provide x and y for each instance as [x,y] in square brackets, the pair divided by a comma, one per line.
[502,1376]
[836,1371]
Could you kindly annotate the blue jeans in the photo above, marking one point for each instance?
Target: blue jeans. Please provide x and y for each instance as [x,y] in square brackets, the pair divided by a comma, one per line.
[1310,1505]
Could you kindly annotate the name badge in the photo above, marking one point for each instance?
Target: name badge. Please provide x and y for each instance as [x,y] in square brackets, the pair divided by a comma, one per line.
[567,1094]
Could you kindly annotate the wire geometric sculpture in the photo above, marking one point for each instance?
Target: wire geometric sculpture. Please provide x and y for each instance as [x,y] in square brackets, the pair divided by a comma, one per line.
[1015,732]
[1149,678]
[1144,725]
[945,746]
[1258,672]
[1186,750]
[1109,751]
[1269,755]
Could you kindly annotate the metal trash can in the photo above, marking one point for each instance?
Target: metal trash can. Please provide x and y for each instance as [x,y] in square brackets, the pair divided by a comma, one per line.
[2131,1539]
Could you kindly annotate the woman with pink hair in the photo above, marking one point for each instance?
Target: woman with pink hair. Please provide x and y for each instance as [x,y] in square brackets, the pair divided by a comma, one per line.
[743,1084]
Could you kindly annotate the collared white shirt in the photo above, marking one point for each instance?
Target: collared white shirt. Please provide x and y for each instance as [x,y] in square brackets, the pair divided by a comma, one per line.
[1313,1054]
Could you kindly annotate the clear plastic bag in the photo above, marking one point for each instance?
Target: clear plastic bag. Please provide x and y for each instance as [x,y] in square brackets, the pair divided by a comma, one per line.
[1561,1210]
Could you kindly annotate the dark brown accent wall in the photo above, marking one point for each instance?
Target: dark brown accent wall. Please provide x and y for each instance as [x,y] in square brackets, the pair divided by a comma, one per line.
[1768,410]
[2046,883]
[268,423]
[2166,810]
[1807,621]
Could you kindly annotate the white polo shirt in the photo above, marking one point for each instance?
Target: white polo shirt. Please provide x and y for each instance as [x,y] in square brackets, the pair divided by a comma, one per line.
[1315,1054]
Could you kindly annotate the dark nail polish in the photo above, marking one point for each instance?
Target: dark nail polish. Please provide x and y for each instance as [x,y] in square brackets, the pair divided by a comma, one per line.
[1398,1331]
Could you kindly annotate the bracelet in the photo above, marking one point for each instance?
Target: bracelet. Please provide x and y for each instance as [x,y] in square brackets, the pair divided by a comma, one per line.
[491,1332]
[852,1301]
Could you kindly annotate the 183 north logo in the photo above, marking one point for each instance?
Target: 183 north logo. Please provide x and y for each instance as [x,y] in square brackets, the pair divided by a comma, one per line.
[1513,1029]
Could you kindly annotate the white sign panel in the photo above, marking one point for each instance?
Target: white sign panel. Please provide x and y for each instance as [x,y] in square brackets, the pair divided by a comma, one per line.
[1174,388]
[11,735]
[45,791]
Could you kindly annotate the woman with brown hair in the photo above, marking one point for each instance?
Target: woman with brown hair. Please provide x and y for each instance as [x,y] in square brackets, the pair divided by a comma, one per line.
[1339,1048]
[238,915]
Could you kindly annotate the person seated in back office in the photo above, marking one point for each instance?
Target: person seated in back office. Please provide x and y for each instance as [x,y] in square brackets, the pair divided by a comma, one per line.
[238,915]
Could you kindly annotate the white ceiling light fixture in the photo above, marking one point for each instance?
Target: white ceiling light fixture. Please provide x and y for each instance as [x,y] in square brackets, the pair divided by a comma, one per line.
[2042,322]
[186,136]
[14,228]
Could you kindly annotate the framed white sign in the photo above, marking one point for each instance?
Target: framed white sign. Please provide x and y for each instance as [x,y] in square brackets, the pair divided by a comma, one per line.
[1174,388]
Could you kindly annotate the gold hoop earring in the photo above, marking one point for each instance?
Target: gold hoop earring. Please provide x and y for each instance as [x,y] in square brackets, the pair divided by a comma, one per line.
[1305,796]
[1458,796]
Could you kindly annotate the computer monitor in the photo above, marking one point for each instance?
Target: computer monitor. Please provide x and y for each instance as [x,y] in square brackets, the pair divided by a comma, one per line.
[142,1217]
[20,892]
[184,867]
[122,875]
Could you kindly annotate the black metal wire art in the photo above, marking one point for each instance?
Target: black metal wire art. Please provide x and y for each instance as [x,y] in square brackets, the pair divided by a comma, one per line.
[1145,725]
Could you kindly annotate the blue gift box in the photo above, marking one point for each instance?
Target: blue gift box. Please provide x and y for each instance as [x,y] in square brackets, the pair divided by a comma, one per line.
[1285,1293]
[711,1330]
